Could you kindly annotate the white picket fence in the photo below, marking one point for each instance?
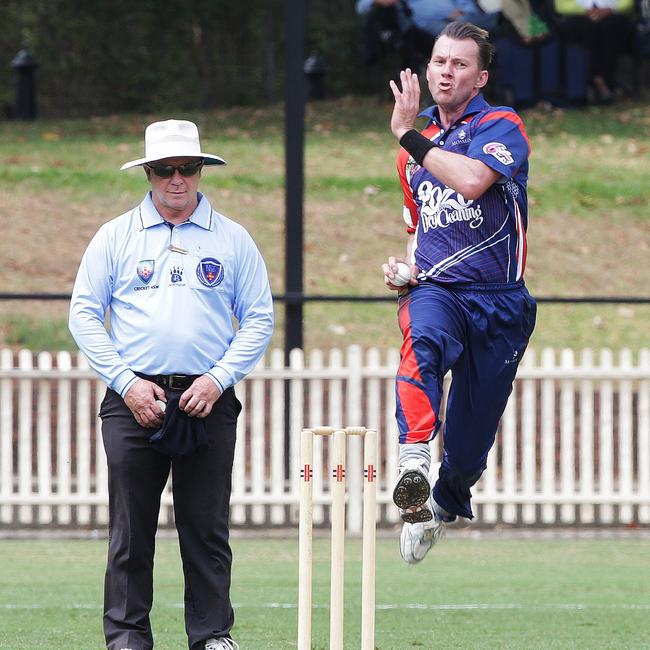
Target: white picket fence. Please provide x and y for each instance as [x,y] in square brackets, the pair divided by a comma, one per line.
[573,445]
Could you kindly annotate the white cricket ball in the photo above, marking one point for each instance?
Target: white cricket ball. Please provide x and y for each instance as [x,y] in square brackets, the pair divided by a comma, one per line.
[402,275]
[163,405]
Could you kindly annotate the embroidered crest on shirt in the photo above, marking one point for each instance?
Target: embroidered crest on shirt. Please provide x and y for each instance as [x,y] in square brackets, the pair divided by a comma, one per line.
[176,274]
[499,151]
[145,270]
[462,138]
[209,271]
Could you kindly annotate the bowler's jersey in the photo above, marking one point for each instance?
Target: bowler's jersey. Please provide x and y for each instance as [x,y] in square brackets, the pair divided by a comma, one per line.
[458,240]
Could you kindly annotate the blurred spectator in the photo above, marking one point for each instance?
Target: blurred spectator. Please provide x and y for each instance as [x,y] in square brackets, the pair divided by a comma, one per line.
[389,28]
[433,16]
[605,29]
[527,55]
[409,26]
[530,20]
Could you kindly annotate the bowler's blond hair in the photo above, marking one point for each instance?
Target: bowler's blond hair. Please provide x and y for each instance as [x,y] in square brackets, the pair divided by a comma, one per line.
[459,31]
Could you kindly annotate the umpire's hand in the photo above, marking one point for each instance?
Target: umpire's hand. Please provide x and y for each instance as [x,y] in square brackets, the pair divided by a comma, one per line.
[141,399]
[200,397]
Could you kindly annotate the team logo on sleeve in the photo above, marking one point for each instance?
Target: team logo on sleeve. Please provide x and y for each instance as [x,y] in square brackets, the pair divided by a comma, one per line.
[210,272]
[145,270]
[500,152]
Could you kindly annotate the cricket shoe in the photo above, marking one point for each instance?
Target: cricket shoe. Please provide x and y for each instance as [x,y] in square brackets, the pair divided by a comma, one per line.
[417,539]
[223,643]
[412,492]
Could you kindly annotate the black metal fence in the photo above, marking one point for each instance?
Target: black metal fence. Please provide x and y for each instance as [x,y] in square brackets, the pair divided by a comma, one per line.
[300,298]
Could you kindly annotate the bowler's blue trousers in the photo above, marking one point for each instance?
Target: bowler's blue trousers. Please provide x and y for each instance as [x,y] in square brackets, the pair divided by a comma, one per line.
[479,332]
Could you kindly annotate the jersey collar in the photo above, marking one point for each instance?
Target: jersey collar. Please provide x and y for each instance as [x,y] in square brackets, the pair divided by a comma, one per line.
[201,217]
[476,105]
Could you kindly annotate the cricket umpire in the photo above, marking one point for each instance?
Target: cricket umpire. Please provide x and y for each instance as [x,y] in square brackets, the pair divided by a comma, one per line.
[175,274]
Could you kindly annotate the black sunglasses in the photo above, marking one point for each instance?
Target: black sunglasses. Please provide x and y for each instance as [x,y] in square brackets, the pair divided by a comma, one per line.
[167,171]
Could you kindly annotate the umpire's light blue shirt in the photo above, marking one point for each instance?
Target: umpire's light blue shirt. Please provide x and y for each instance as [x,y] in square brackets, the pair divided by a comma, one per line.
[172,295]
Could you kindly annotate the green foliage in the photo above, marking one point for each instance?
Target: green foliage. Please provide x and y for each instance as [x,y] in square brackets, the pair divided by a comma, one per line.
[100,57]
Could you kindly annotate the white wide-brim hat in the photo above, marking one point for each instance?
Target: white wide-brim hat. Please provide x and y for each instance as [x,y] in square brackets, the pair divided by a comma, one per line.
[172,139]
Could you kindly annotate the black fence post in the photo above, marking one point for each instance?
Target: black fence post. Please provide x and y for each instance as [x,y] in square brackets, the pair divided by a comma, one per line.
[315,70]
[294,136]
[25,66]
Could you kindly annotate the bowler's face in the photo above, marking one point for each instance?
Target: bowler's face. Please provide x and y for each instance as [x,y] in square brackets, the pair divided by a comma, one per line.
[453,74]
[175,197]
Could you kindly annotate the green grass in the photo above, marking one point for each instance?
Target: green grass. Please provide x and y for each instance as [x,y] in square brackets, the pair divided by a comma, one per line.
[37,333]
[375,324]
[588,232]
[483,593]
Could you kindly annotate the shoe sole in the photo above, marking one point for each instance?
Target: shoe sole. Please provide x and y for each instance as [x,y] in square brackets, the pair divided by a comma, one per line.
[416,516]
[410,494]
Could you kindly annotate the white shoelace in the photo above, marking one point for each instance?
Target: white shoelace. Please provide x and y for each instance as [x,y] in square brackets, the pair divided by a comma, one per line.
[435,533]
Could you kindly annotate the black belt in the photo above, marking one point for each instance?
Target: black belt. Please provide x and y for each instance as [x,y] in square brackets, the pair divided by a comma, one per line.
[173,382]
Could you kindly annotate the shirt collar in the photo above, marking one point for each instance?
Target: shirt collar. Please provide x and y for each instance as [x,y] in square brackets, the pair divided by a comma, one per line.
[149,216]
[476,105]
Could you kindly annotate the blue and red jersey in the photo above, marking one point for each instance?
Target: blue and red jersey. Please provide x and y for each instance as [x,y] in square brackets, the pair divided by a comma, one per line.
[463,241]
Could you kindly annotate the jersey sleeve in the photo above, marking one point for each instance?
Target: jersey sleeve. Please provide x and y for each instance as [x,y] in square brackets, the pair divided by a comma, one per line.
[410,210]
[253,309]
[500,141]
[91,297]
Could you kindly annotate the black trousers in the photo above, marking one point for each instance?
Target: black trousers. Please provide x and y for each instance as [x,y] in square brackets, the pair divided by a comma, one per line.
[137,474]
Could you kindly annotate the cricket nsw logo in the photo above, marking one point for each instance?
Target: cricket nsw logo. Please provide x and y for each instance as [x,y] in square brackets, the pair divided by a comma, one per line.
[145,270]
[442,207]
[500,152]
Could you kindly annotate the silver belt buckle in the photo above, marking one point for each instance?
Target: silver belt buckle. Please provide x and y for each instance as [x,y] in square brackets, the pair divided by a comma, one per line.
[177,382]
